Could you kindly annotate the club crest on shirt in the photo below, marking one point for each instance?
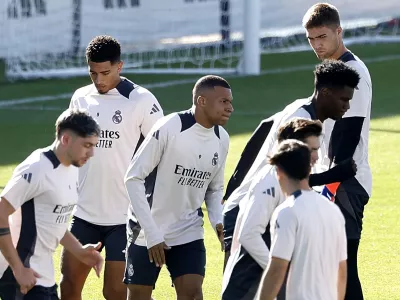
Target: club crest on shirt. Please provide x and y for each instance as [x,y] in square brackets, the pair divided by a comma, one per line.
[117,118]
[214,160]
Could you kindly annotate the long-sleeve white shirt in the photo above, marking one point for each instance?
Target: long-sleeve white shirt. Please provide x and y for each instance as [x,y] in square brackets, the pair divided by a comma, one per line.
[251,238]
[179,165]
[125,115]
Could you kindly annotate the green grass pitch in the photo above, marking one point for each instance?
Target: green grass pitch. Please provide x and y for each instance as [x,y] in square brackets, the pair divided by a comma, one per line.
[255,98]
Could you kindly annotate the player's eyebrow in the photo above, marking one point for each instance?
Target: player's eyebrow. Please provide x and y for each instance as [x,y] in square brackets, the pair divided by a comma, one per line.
[319,36]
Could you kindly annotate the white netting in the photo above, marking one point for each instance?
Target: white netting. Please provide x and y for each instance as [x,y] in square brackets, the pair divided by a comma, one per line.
[44,38]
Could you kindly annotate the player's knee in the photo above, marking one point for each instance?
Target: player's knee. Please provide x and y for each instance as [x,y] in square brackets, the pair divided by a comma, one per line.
[115,290]
[68,288]
[139,292]
[191,293]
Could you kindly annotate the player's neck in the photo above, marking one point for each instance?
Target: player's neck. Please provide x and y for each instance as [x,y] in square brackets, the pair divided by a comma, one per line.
[201,118]
[295,185]
[339,52]
[117,81]
[318,111]
[60,154]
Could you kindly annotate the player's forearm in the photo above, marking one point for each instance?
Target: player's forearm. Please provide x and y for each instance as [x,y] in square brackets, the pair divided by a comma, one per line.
[256,247]
[7,247]
[70,243]
[339,173]
[270,284]
[141,208]
[342,280]
[214,207]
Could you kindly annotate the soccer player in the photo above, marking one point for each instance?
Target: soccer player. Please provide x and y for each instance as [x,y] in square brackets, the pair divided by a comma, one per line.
[334,86]
[35,209]
[179,165]
[251,242]
[126,112]
[307,231]
[348,137]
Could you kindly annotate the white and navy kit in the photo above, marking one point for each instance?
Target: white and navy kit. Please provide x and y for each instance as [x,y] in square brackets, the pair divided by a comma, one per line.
[251,240]
[125,115]
[179,165]
[43,192]
[348,139]
[309,231]
[303,108]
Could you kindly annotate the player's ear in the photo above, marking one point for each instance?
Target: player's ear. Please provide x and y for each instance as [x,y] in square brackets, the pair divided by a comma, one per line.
[65,138]
[339,30]
[201,101]
[325,91]
[120,64]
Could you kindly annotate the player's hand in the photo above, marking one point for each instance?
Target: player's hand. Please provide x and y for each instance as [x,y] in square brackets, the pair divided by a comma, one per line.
[157,254]
[90,256]
[220,232]
[26,278]
[354,166]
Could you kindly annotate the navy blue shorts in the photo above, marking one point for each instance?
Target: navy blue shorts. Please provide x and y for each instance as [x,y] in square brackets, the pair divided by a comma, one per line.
[230,218]
[112,238]
[9,289]
[181,260]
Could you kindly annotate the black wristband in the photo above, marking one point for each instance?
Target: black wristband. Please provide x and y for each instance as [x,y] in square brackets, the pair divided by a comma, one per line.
[4,231]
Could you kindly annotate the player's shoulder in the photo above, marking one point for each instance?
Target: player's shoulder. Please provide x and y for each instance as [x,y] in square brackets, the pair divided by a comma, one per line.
[137,92]
[37,164]
[266,182]
[169,124]
[300,108]
[356,63]
[83,91]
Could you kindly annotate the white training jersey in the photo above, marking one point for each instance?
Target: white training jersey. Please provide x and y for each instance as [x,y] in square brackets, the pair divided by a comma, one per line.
[309,231]
[360,106]
[43,192]
[252,235]
[125,115]
[178,166]
[302,108]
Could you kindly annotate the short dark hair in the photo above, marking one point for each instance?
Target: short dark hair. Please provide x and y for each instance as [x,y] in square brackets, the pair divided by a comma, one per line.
[78,121]
[293,157]
[321,14]
[299,129]
[103,48]
[209,82]
[335,74]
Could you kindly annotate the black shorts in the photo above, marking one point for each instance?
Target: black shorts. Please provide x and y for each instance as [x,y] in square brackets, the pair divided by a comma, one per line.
[229,226]
[9,290]
[112,238]
[351,199]
[181,260]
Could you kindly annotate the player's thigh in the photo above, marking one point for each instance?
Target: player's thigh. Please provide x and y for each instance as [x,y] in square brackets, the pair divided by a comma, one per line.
[42,293]
[352,206]
[73,270]
[140,274]
[186,264]
[229,220]
[115,243]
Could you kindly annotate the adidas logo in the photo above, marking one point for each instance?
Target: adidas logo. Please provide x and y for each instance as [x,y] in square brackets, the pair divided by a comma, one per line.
[27,177]
[156,134]
[270,192]
[155,109]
